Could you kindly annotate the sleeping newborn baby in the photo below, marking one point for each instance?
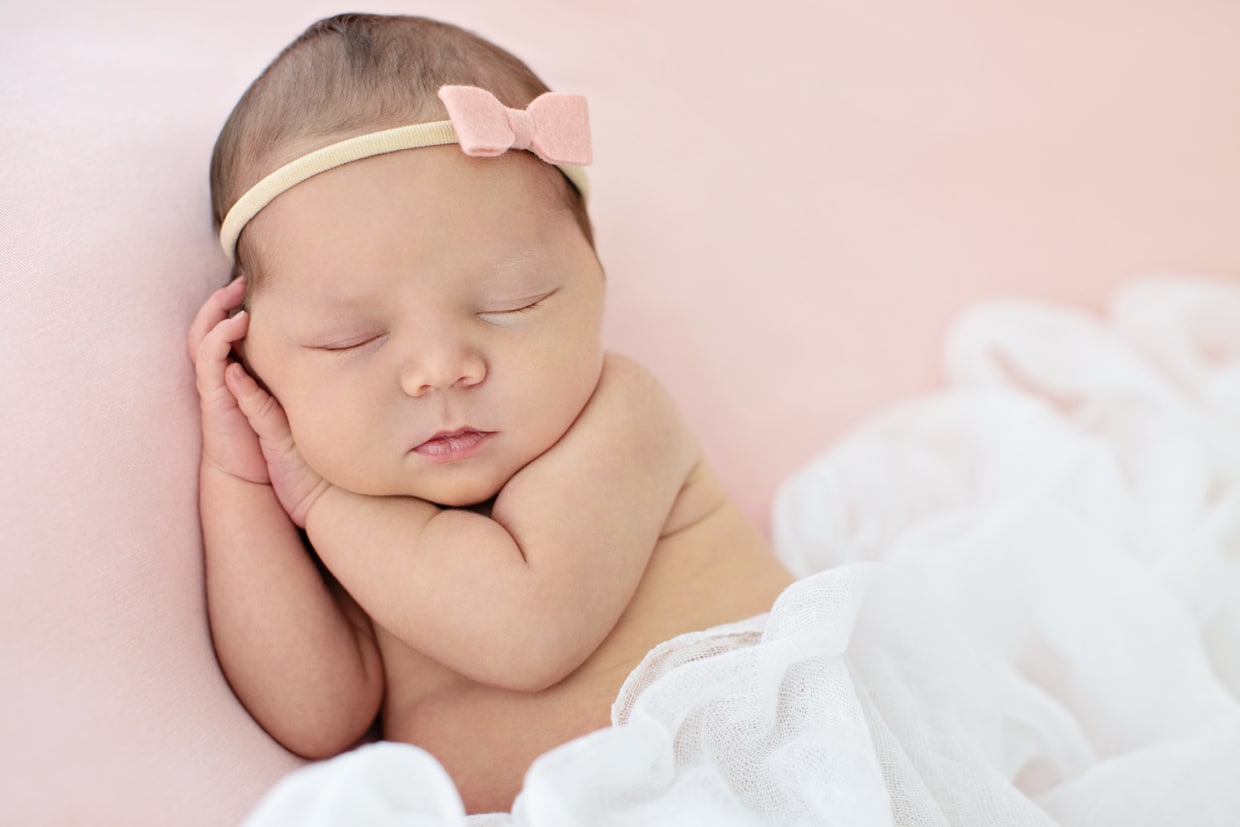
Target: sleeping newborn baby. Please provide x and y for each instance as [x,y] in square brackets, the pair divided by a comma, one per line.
[428,496]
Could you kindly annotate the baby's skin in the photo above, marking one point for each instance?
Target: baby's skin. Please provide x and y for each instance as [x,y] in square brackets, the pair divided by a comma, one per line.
[504,518]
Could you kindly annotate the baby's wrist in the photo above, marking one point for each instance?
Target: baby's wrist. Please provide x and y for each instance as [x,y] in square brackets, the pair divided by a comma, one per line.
[320,503]
[215,469]
[300,513]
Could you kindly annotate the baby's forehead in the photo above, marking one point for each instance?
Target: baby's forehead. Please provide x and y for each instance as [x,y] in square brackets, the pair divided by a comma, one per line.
[428,210]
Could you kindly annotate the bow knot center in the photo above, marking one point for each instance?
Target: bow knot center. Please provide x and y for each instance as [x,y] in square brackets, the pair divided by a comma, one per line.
[522,125]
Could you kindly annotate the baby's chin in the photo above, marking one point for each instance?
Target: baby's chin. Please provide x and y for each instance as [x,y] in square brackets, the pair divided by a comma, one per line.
[450,486]
[448,493]
[469,497]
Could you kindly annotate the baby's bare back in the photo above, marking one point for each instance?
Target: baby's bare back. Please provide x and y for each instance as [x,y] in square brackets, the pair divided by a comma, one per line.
[710,566]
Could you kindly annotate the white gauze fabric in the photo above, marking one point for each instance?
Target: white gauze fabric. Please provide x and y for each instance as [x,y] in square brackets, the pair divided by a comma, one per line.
[1019,605]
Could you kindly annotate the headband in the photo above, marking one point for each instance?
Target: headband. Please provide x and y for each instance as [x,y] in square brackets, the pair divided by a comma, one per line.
[554,126]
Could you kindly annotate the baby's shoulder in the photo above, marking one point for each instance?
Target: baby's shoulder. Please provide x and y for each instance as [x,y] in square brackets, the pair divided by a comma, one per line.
[641,391]
[627,381]
[632,391]
[620,368]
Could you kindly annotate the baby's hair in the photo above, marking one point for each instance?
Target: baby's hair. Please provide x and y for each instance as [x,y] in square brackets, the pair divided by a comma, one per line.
[356,73]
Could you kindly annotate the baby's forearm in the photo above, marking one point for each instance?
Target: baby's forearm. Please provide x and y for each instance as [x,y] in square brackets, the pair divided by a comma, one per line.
[450,583]
[282,639]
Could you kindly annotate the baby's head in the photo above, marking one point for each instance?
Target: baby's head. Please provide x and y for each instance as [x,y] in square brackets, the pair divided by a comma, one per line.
[429,320]
[354,74]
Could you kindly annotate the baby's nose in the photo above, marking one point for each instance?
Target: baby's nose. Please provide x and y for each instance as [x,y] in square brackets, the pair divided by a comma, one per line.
[442,368]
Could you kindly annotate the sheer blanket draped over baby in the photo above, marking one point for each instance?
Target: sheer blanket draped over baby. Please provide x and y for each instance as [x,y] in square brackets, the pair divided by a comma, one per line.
[1019,604]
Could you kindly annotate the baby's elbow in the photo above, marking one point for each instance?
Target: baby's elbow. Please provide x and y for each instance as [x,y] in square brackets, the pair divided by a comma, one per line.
[321,743]
[540,680]
[313,748]
[538,667]
[532,682]
[325,732]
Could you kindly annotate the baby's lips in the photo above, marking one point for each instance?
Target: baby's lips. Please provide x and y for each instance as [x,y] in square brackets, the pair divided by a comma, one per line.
[450,445]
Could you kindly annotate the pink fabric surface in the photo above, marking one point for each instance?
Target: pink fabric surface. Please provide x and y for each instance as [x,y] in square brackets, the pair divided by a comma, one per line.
[791,207]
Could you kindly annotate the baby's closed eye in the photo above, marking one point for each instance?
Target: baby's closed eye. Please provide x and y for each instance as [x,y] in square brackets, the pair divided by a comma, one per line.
[497,311]
[349,343]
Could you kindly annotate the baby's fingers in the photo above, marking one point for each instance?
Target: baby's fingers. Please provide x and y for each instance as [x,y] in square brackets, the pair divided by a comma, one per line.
[212,356]
[213,311]
[260,408]
[296,485]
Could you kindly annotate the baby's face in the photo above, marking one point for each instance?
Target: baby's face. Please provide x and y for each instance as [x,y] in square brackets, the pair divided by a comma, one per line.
[429,322]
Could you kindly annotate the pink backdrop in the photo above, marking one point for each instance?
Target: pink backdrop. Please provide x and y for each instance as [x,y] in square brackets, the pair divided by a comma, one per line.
[791,207]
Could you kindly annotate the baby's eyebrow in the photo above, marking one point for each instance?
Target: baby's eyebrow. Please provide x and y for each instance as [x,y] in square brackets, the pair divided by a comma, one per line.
[333,303]
[326,309]
[519,262]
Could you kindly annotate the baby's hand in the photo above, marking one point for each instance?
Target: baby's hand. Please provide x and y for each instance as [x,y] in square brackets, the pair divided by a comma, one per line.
[245,432]
[228,441]
[296,484]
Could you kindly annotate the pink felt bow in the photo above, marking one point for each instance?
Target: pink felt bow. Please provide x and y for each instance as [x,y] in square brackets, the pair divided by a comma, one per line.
[555,126]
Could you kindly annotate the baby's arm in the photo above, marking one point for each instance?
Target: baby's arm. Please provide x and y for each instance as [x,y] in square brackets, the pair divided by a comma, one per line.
[300,661]
[521,598]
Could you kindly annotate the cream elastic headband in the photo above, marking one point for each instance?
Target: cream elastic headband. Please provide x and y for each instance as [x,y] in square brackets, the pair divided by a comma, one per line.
[555,127]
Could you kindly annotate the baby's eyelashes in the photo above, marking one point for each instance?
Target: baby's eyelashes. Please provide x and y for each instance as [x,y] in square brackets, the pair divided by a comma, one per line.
[351,343]
[496,312]
[516,308]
